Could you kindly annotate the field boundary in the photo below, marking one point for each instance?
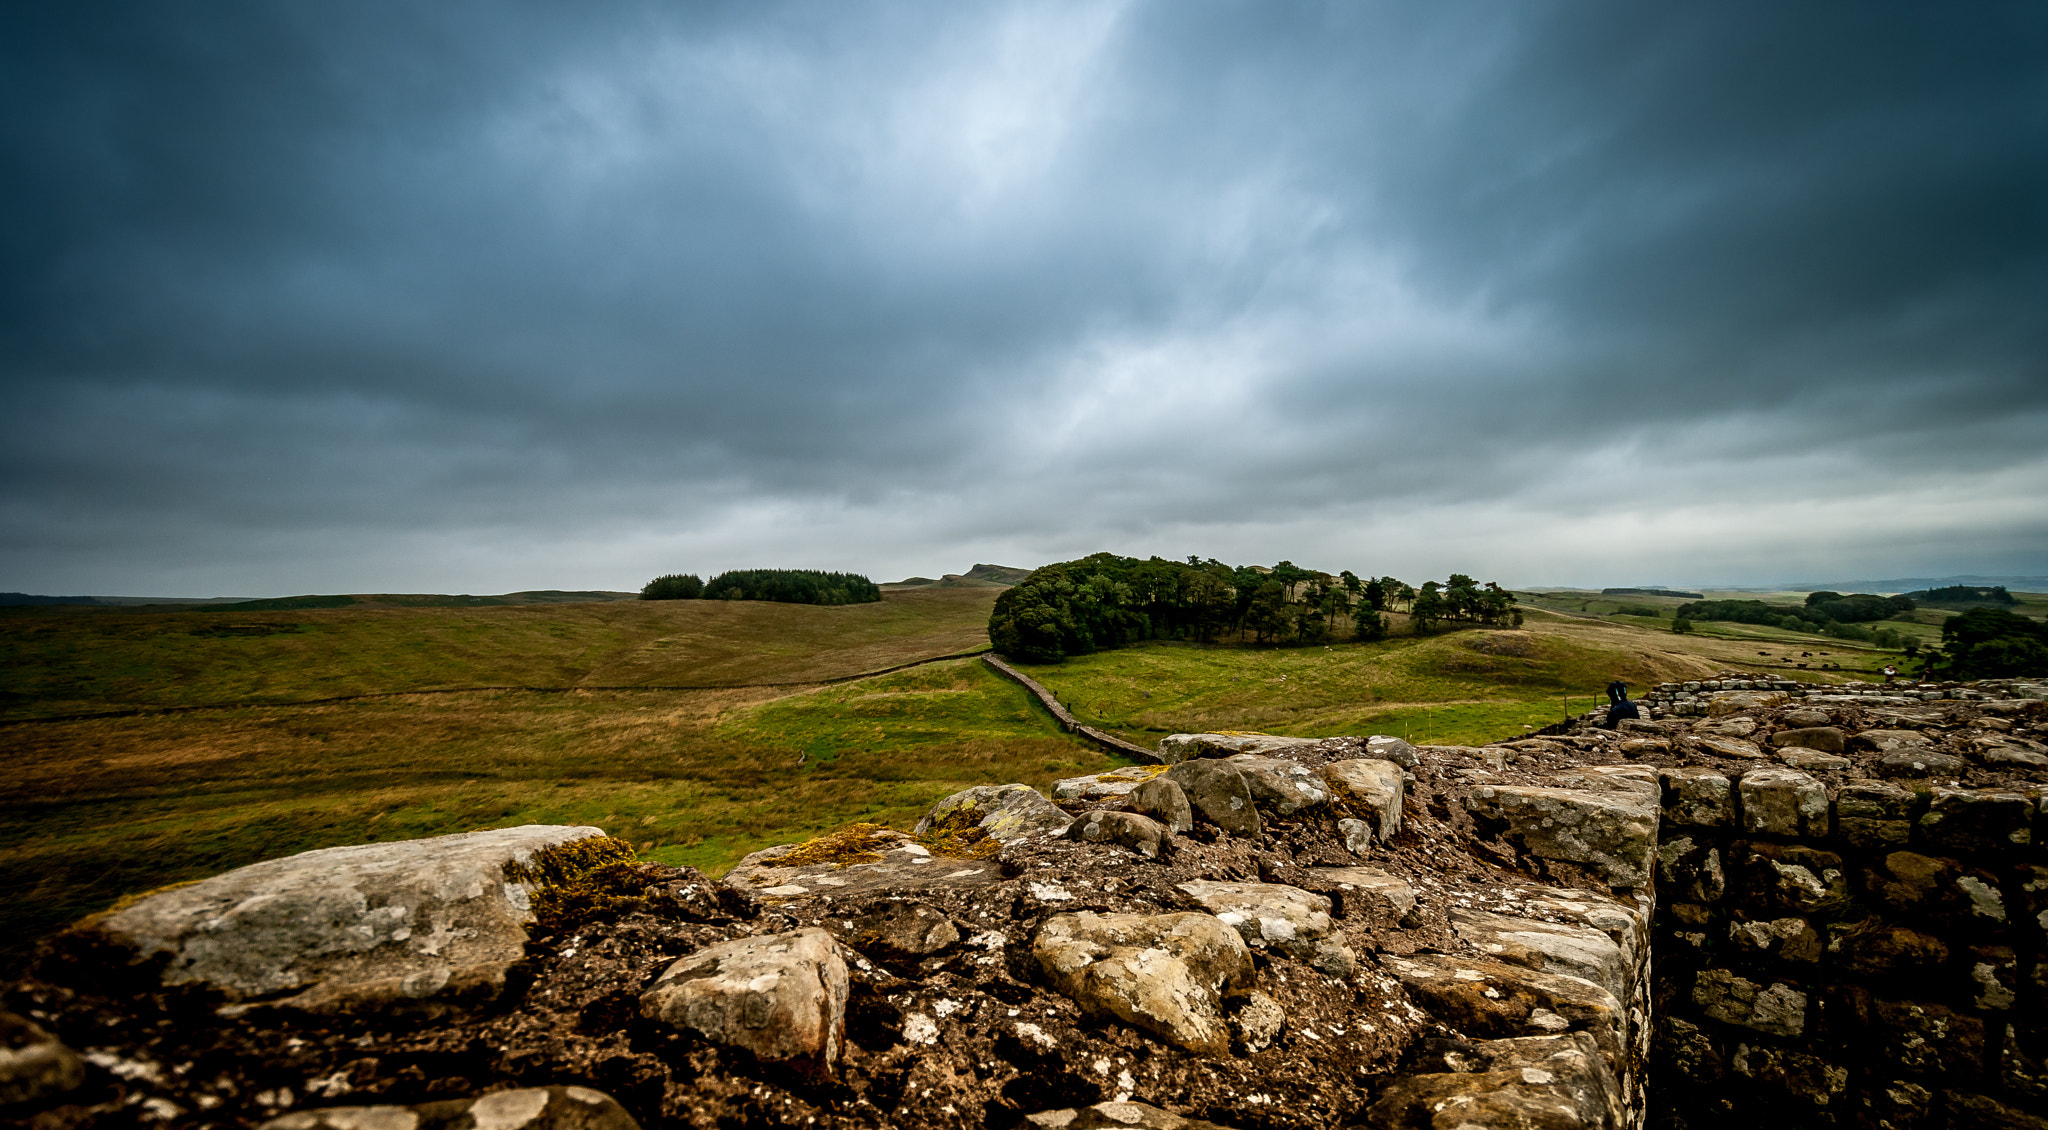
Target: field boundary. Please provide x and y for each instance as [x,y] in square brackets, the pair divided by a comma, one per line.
[1067,721]
[140,711]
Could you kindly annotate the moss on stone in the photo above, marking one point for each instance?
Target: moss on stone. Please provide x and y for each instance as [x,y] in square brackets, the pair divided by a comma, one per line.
[592,879]
[855,843]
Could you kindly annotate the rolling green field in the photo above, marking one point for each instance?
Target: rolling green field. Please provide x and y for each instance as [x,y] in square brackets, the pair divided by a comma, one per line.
[152,747]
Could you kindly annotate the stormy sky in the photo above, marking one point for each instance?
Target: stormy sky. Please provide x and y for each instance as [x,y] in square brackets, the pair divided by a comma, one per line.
[471,297]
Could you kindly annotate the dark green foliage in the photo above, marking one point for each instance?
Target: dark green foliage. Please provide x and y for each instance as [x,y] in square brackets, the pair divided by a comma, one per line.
[1639,610]
[1681,625]
[792,586]
[1990,643]
[27,600]
[1965,595]
[674,586]
[1744,612]
[1104,601]
[279,604]
[1855,609]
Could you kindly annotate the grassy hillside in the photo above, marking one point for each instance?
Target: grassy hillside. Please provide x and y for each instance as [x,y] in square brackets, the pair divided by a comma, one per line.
[79,660]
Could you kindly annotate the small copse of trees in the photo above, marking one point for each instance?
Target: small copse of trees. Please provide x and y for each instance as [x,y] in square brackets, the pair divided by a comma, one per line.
[1105,601]
[1825,613]
[1991,643]
[787,586]
[1965,595]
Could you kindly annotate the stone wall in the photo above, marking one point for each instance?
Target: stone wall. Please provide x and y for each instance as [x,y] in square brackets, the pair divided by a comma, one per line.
[1858,941]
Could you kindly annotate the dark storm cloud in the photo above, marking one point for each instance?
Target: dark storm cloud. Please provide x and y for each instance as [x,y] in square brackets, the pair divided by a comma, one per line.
[381,296]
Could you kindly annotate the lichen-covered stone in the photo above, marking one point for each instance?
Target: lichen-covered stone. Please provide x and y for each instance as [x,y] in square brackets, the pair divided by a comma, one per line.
[1176,748]
[1873,948]
[1889,741]
[532,1108]
[1218,793]
[337,926]
[1552,947]
[1777,1009]
[1920,762]
[1930,1039]
[1165,801]
[780,996]
[1164,973]
[1281,787]
[1527,1083]
[1700,797]
[1807,1078]
[1782,802]
[1362,889]
[1142,834]
[1115,782]
[1493,999]
[1392,749]
[1006,812]
[1787,939]
[1372,788]
[902,930]
[1773,880]
[1277,917]
[1610,826]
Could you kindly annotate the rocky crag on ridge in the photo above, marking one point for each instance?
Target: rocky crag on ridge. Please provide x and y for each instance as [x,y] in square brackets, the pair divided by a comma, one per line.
[1763,898]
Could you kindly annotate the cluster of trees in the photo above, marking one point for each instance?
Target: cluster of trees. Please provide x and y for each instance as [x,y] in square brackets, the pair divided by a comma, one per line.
[788,586]
[1827,613]
[1991,643]
[1105,601]
[1965,595]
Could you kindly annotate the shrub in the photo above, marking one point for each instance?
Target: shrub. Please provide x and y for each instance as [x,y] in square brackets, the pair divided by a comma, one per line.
[1681,625]
[1990,643]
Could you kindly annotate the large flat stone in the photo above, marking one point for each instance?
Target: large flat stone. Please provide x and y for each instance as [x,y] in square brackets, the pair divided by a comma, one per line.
[1607,824]
[1176,748]
[340,925]
[1219,794]
[1280,787]
[1523,1083]
[1006,812]
[893,862]
[779,996]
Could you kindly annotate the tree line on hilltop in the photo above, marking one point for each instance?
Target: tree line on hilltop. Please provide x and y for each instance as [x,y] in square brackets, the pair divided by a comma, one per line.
[1105,601]
[1824,613]
[788,586]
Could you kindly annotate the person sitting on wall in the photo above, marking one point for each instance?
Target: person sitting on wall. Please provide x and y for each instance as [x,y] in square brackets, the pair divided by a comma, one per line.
[1619,707]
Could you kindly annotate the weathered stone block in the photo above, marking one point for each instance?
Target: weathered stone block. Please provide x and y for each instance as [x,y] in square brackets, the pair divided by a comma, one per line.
[1392,749]
[1977,820]
[1968,1111]
[370,922]
[1219,794]
[779,996]
[2023,1060]
[1165,801]
[1492,999]
[1552,947]
[1164,973]
[1006,812]
[1690,870]
[1372,789]
[1776,1009]
[1364,890]
[1920,762]
[1280,787]
[1142,834]
[1812,760]
[1873,816]
[1095,786]
[1177,748]
[1772,880]
[1782,802]
[1702,797]
[1116,1116]
[1608,825]
[1994,978]
[902,930]
[1826,739]
[1277,917]
[1531,1083]
[1787,939]
[1889,741]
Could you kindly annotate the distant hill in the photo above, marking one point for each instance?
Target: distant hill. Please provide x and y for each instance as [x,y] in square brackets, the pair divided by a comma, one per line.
[1652,592]
[336,600]
[979,577]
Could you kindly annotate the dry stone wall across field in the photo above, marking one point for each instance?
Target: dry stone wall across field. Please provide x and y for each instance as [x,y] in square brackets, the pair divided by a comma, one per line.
[1764,904]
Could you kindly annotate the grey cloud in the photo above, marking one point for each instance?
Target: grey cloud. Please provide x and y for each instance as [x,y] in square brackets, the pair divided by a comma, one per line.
[628,284]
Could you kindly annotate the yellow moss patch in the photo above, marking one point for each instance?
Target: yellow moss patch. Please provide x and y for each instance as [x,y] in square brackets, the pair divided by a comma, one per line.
[855,843]
[583,881]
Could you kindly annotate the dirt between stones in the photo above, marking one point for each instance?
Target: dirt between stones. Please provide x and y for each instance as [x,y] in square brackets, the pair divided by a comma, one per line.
[955,1026]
